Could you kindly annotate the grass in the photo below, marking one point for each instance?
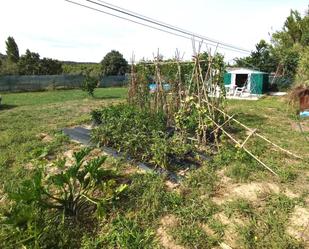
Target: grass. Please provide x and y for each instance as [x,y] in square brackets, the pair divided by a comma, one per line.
[26,115]
[134,221]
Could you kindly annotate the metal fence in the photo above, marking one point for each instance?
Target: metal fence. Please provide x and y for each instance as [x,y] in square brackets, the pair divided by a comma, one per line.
[19,83]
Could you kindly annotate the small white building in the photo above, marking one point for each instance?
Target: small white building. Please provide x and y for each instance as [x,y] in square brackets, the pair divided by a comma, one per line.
[249,81]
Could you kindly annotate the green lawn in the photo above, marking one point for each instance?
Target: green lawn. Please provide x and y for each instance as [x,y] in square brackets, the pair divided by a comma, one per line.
[23,116]
[231,200]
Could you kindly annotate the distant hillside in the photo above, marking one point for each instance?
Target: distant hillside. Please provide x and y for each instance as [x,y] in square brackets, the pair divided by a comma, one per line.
[71,67]
[78,63]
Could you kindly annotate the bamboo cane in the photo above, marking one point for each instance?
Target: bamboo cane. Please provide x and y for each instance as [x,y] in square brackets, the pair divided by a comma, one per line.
[259,135]
[245,149]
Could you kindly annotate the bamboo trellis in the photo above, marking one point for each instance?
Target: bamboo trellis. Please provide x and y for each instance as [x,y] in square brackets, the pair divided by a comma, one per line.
[203,89]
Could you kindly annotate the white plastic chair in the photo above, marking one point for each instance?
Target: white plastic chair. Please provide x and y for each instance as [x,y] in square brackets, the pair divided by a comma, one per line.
[240,90]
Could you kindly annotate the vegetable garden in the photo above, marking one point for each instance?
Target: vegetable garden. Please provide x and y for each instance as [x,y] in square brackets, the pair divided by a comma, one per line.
[167,128]
[181,120]
[94,201]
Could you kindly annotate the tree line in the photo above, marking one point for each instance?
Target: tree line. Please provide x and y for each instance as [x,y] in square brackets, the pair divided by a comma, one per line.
[30,63]
[287,54]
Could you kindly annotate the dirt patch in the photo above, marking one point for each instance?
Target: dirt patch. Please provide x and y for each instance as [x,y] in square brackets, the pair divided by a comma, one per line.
[45,137]
[69,156]
[29,166]
[130,170]
[290,193]
[299,225]
[165,239]
[171,185]
[228,190]
[249,191]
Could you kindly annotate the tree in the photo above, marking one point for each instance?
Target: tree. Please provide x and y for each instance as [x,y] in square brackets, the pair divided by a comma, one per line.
[290,42]
[29,64]
[261,59]
[12,50]
[6,67]
[114,64]
[50,67]
[90,83]
[302,76]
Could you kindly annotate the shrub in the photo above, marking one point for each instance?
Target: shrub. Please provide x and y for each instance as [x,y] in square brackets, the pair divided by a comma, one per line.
[89,84]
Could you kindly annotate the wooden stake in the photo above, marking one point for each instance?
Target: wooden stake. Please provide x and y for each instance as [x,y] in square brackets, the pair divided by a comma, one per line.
[222,124]
[242,145]
[257,134]
[245,149]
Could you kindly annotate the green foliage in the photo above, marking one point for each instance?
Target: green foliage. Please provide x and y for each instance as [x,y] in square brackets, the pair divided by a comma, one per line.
[240,166]
[148,199]
[302,77]
[8,68]
[12,51]
[271,232]
[47,204]
[160,149]
[50,67]
[72,189]
[202,181]
[126,233]
[260,59]
[31,64]
[285,51]
[89,84]
[193,236]
[239,206]
[114,64]
[289,43]
[80,68]
[145,138]
[138,125]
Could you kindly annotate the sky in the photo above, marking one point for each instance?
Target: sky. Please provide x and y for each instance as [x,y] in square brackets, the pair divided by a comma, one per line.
[57,29]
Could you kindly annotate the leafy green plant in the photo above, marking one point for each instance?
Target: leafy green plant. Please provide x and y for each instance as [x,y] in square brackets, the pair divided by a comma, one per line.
[82,187]
[90,83]
[160,149]
[139,134]
[56,206]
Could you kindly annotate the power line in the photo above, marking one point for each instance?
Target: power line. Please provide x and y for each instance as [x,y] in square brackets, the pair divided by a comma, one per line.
[126,19]
[168,26]
[149,26]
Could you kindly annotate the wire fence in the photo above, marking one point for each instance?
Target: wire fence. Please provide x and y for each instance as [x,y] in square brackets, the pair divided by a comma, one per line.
[20,83]
[280,83]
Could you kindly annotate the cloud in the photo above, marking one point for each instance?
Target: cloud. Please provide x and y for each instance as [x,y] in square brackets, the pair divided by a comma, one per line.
[57,29]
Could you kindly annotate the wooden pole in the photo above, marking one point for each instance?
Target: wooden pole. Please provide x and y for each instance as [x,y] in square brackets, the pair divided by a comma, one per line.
[245,149]
[251,134]
[222,125]
[257,134]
